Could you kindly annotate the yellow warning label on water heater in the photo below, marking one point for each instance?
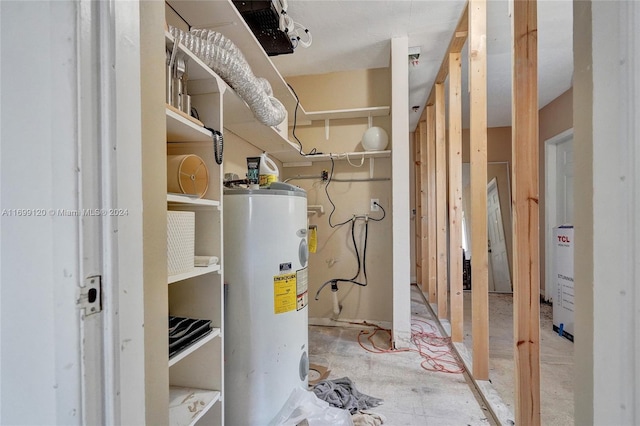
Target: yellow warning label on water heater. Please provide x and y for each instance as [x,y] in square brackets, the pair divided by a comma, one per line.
[284,293]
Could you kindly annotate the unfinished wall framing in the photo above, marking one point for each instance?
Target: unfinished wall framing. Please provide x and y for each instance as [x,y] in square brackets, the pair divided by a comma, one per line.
[472,25]
[417,207]
[526,266]
[455,196]
[431,260]
[478,157]
[441,203]
[422,273]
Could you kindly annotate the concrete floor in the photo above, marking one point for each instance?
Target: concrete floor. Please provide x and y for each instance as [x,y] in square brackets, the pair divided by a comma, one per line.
[412,396]
[556,359]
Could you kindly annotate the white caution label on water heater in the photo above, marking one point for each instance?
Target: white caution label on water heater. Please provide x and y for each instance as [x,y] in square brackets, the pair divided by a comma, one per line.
[302,293]
[284,293]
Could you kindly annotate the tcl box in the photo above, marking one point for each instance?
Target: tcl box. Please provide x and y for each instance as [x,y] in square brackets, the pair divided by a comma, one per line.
[563,317]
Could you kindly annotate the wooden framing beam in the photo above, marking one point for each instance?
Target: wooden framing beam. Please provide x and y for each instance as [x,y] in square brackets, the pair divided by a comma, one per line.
[455,196]
[424,247]
[431,203]
[456,44]
[428,116]
[526,265]
[417,142]
[478,156]
[441,202]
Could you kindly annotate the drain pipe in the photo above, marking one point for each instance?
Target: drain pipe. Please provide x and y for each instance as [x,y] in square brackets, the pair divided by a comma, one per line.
[334,293]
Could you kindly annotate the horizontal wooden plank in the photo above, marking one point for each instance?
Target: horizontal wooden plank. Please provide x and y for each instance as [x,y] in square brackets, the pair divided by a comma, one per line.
[456,44]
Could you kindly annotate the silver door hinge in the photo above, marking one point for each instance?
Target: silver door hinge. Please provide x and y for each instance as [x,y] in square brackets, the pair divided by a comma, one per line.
[90,298]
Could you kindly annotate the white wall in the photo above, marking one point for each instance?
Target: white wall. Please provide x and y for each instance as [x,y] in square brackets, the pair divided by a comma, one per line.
[39,262]
[400,164]
[132,44]
[335,257]
[607,201]
[70,139]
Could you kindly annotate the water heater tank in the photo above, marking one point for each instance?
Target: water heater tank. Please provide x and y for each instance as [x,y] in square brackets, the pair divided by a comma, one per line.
[266,324]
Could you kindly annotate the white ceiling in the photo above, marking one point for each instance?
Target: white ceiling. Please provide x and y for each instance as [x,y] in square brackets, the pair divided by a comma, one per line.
[355,34]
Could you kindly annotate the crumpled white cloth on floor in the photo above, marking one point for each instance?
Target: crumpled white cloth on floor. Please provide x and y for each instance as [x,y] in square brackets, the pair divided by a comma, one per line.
[303,407]
[368,418]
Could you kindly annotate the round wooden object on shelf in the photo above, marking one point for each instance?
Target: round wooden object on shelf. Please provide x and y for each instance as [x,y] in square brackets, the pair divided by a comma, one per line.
[187,174]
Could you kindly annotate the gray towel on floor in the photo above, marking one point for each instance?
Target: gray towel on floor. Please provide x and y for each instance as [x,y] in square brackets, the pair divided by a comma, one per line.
[343,394]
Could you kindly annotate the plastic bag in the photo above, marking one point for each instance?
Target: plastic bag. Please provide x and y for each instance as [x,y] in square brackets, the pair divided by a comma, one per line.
[305,405]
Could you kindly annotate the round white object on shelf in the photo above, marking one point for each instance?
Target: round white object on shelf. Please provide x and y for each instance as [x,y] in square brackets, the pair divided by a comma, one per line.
[375,139]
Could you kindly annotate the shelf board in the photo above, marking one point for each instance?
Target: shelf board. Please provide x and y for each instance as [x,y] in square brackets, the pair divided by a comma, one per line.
[195,272]
[181,129]
[215,332]
[224,18]
[188,405]
[353,156]
[347,113]
[185,199]
[197,69]
[262,137]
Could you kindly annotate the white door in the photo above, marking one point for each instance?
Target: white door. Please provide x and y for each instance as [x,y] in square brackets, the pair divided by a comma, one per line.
[63,336]
[564,183]
[558,196]
[46,337]
[500,279]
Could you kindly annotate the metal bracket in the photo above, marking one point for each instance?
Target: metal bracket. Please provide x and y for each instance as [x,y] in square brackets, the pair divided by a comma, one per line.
[90,298]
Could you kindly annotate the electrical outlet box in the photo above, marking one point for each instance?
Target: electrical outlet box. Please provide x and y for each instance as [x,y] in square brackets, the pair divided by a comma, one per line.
[374,205]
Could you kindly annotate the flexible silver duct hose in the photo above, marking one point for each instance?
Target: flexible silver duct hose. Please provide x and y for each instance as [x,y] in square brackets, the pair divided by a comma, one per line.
[225,59]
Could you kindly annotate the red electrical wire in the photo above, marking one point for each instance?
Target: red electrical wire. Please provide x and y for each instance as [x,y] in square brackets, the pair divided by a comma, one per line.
[435,350]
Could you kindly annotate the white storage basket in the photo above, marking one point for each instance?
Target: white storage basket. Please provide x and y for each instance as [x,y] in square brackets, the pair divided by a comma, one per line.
[181,233]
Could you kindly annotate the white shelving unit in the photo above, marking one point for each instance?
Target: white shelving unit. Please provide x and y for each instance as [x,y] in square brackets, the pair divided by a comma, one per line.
[342,114]
[238,117]
[354,157]
[181,129]
[197,294]
[188,405]
[346,113]
[195,272]
[179,199]
[196,374]
[223,17]
[197,345]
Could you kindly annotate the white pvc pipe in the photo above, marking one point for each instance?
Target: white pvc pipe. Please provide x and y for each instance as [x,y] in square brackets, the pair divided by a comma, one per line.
[336,305]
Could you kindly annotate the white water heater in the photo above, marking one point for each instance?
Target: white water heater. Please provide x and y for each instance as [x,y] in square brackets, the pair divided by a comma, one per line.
[266,320]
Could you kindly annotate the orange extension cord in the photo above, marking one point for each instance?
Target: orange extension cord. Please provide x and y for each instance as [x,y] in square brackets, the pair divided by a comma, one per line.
[435,350]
